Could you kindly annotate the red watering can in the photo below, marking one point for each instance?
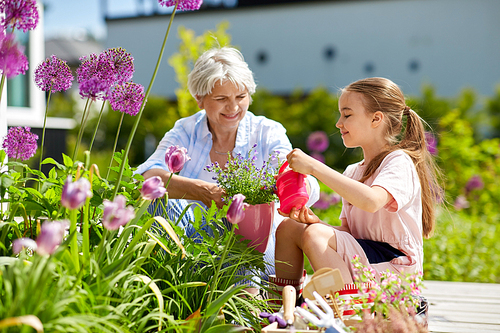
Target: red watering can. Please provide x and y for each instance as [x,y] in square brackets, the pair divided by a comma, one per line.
[291,189]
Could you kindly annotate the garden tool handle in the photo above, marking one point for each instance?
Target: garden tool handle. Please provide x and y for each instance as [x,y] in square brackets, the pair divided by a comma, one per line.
[289,298]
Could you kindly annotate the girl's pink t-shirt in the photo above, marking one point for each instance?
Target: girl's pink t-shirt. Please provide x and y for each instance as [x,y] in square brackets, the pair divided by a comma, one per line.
[399,223]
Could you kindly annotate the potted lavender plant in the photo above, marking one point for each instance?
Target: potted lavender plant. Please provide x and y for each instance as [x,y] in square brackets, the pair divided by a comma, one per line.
[258,185]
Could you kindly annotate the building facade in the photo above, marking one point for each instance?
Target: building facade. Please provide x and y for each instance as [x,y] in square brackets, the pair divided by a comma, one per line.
[450,44]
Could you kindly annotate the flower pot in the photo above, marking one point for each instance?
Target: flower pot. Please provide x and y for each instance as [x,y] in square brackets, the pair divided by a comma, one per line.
[257,225]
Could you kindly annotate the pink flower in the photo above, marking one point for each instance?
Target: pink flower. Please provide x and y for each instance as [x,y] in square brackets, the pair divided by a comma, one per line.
[75,193]
[318,142]
[19,14]
[318,156]
[175,158]
[461,203]
[53,74]
[475,183]
[183,4]
[23,243]
[20,143]
[236,212]
[51,236]
[116,214]
[431,141]
[127,97]
[12,59]
[153,188]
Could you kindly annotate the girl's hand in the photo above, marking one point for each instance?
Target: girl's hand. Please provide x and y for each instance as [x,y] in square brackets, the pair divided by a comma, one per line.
[304,215]
[300,162]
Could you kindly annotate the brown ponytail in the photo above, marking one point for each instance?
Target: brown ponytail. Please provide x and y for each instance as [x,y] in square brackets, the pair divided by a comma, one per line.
[384,95]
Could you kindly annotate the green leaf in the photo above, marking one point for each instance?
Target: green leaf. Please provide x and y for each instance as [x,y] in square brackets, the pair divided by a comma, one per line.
[68,162]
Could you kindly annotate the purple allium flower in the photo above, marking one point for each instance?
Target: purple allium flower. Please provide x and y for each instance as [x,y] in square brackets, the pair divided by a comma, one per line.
[95,76]
[53,74]
[236,212]
[335,198]
[20,143]
[19,14]
[323,201]
[474,183]
[318,141]
[51,236]
[20,243]
[75,193]
[461,203]
[115,213]
[121,62]
[153,188]
[183,4]
[431,141]
[175,158]
[12,59]
[318,156]
[127,97]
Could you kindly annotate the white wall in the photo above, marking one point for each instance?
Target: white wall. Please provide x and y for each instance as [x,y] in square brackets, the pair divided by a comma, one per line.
[455,42]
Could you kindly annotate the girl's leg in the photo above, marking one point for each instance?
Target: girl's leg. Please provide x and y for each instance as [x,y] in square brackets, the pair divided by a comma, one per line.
[319,243]
[289,258]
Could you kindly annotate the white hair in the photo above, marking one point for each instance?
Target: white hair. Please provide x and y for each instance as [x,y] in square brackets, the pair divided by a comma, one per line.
[219,65]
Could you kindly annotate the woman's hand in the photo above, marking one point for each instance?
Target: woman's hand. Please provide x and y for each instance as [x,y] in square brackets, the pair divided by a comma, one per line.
[209,192]
[304,215]
[300,162]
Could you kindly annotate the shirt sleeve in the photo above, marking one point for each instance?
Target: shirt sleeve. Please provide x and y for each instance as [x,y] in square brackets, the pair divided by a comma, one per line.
[157,159]
[399,177]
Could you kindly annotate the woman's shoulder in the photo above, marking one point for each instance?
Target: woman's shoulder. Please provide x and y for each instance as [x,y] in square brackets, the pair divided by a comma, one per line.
[261,121]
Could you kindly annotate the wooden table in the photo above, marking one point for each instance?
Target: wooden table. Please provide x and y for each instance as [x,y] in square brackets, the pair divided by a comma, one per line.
[463,307]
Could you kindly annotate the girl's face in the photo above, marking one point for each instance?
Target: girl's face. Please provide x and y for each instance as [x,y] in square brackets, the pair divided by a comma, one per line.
[355,124]
[226,105]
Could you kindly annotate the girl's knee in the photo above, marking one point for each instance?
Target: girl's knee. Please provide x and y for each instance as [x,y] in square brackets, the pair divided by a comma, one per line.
[317,233]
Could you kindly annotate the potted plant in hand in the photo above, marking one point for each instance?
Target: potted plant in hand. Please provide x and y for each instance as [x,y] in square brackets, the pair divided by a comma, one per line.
[240,175]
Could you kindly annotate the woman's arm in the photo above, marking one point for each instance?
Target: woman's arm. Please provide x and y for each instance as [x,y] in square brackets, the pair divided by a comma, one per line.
[187,188]
[367,198]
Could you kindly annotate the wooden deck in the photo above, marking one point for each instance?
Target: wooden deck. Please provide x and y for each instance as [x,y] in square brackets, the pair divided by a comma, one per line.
[460,307]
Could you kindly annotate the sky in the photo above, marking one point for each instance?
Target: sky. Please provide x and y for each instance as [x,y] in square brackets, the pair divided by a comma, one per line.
[75,17]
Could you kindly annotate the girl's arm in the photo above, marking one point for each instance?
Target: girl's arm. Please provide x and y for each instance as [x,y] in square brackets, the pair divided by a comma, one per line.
[367,198]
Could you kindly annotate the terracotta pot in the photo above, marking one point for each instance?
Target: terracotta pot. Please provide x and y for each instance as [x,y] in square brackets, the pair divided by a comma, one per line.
[257,225]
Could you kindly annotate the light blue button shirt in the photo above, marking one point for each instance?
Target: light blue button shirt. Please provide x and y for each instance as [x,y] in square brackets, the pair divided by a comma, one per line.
[193,134]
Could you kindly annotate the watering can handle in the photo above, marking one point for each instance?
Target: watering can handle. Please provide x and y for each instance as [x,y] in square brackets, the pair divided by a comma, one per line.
[283,167]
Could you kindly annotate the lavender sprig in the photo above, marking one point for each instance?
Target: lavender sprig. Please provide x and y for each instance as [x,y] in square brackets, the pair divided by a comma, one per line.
[241,175]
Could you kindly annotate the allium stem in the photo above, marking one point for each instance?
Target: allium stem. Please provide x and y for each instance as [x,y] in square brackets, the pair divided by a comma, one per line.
[82,126]
[74,242]
[139,115]
[43,133]
[97,126]
[2,83]
[114,146]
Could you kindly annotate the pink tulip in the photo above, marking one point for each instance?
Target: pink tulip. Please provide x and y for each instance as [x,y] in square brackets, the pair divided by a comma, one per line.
[116,214]
[236,213]
[153,188]
[75,193]
[51,236]
[23,243]
[175,158]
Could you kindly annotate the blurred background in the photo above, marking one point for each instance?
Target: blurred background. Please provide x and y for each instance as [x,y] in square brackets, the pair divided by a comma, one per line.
[444,55]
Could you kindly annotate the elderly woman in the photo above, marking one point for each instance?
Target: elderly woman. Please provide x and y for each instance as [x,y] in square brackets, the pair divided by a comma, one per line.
[222,85]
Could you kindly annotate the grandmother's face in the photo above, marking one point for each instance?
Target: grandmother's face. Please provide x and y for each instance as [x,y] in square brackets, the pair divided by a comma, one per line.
[226,105]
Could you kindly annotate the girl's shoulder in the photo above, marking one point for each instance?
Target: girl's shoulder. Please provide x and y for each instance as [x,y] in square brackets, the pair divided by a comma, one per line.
[397,156]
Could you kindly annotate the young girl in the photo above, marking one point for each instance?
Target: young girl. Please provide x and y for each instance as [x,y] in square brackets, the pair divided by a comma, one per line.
[387,198]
